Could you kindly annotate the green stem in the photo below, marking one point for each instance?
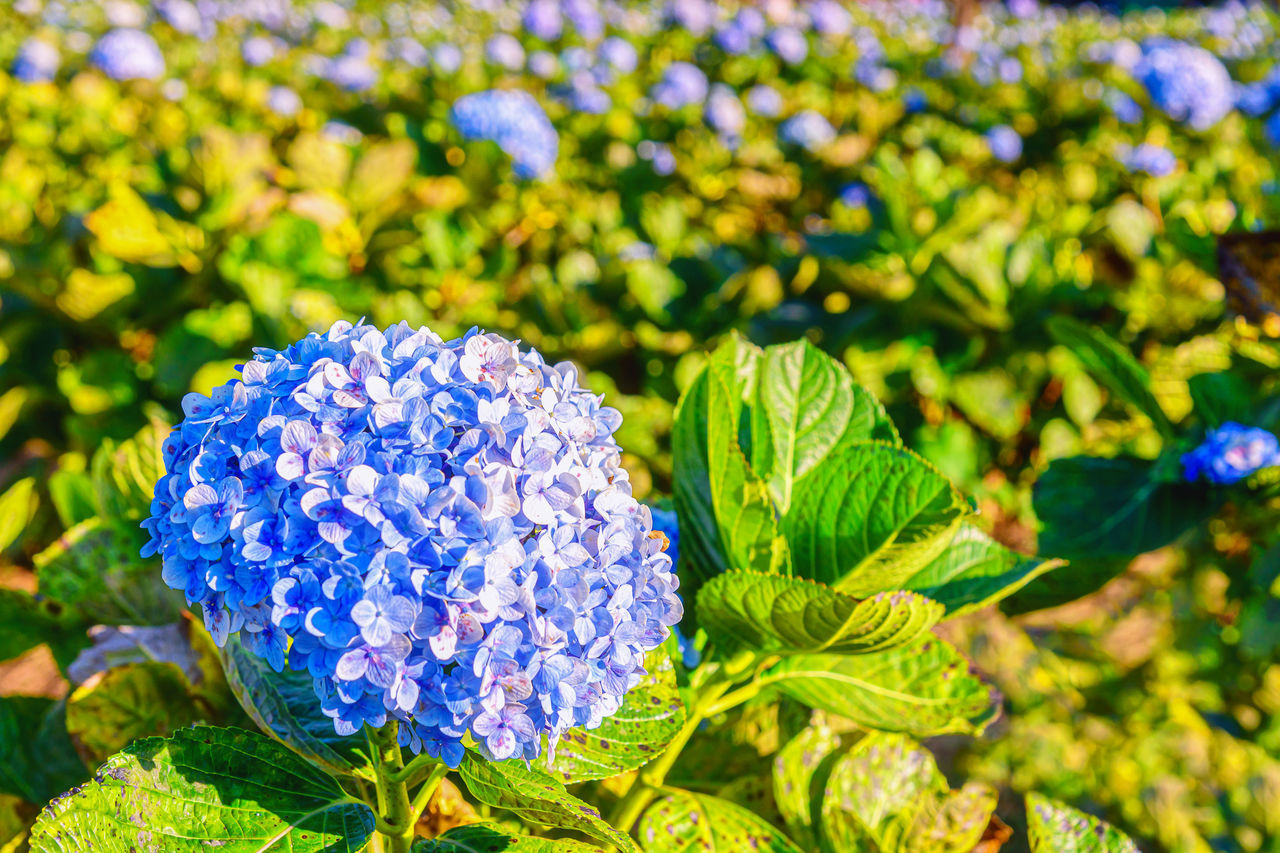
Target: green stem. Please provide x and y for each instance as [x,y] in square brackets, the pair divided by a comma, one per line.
[396,819]
[429,787]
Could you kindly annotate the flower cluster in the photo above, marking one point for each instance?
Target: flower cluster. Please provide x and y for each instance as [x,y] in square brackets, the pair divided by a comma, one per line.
[37,61]
[437,531]
[808,129]
[1005,143]
[128,54]
[1152,159]
[1230,453]
[514,120]
[1188,83]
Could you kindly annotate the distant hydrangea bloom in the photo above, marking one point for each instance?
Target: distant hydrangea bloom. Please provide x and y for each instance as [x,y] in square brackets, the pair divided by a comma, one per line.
[1124,107]
[1230,453]
[788,44]
[37,61]
[856,194]
[659,155]
[914,100]
[585,18]
[829,18]
[808,129]
[1152,159]
[696,16]
[682,84]
[446,57]
[764,100]
[504,51]
[739,34]
[1272,129]
[1005,143]
[875,76]
[351,71]
[438,532]
[1254,99]
[544,64]
[182,15]
[514,120]
[340,131]
[619,53]
[542,19]
[1188,83]
[127,54]
[724,113]
[283,101]
[410,51]
[258,50]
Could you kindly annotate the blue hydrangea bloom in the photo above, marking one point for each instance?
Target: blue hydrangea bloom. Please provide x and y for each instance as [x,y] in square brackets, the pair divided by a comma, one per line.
[659,154]
[446,57]
[436,531]
[696,16]
[764,100]
[830,18]
[182,15]
[619,53]
[1188,83]
[585,17]
[351,71]
[1124,107]
[856,194]
[1005,143]
[788,44]
[127,54]
[914,100]
[724,112]
[739,34]
[258,50]
[1230,453]
[542,19]
[1254,99]
[37,61]
[504,51]
[808,129]
[682,84]
[283,101]
[1272,129]
[514,120]
[1152,159]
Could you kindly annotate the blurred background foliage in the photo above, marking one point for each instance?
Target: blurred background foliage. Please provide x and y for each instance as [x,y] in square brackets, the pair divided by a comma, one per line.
[149,238]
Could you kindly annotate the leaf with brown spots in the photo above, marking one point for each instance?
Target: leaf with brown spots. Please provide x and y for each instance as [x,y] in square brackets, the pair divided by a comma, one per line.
[487,838]
[683,821]
[1055,828]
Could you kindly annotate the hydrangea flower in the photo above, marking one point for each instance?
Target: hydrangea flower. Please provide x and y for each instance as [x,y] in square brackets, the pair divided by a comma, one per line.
[808,129]
[128,54]
[855,195]
[182,15]
[1230,453]
[739,34]
[1005,143]
[1272,129]
[1188,83]
[788,44]
[682,84]
[724,112]
[514,120]
[1152,159]
[829,18]
[504,51]
[542,19]
[764,100]
[283,101]
[659,154]
[585,17]
[619,53]
[439,532]
[258,50]
[1124,107]
[37,61]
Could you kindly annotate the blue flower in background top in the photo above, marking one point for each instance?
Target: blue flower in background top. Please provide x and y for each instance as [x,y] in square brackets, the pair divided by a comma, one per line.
[1005,143]
[808,129]
[619,53]
[682,84]
[789,44]
[1124,107]
[1152,159]
[258,50]
[830,18]
[1188,83]
[1272,129]
[764,100]
[585,17]
[514,120]
[128,54]
[855,195]
[542,19]
[437,531]
[1230,453]
[182,15]
[504,51]
[37,61]
[724,112]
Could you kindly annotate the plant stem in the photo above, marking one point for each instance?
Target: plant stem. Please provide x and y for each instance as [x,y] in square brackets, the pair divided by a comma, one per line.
[429,787]
[396,819]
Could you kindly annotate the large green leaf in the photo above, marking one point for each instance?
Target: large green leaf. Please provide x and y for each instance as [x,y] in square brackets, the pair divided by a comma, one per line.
[487,838]
[38,761]
[806,405]
[536,797]
[975,571]
[128,702]
[785,615]
[924,689]
[886,795]
[27,621]
[651,714]
[125,474]
[1219,397]
[95,567]
[870,517]
[16,507]
[205,788]
[1055,828]
[684,821]
[1113,365]
[284,705]
[799,769]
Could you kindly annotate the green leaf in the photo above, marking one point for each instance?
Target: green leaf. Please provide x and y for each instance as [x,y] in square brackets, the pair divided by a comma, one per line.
[1219,397]
[95,567]
[686,821]
[129,702]
[38,761]
[1055,828]
[870,517]
[487,838]
[17,505]
[1113,365]
[27,621]
[72,495]
[798,770]
[806,406]
[125,474]
[975,571]
[925,689]
[651,714]
[284,705]
[773,614]
[953,822]
[204,788]
[874,790]
[1089,506]
[536,797]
